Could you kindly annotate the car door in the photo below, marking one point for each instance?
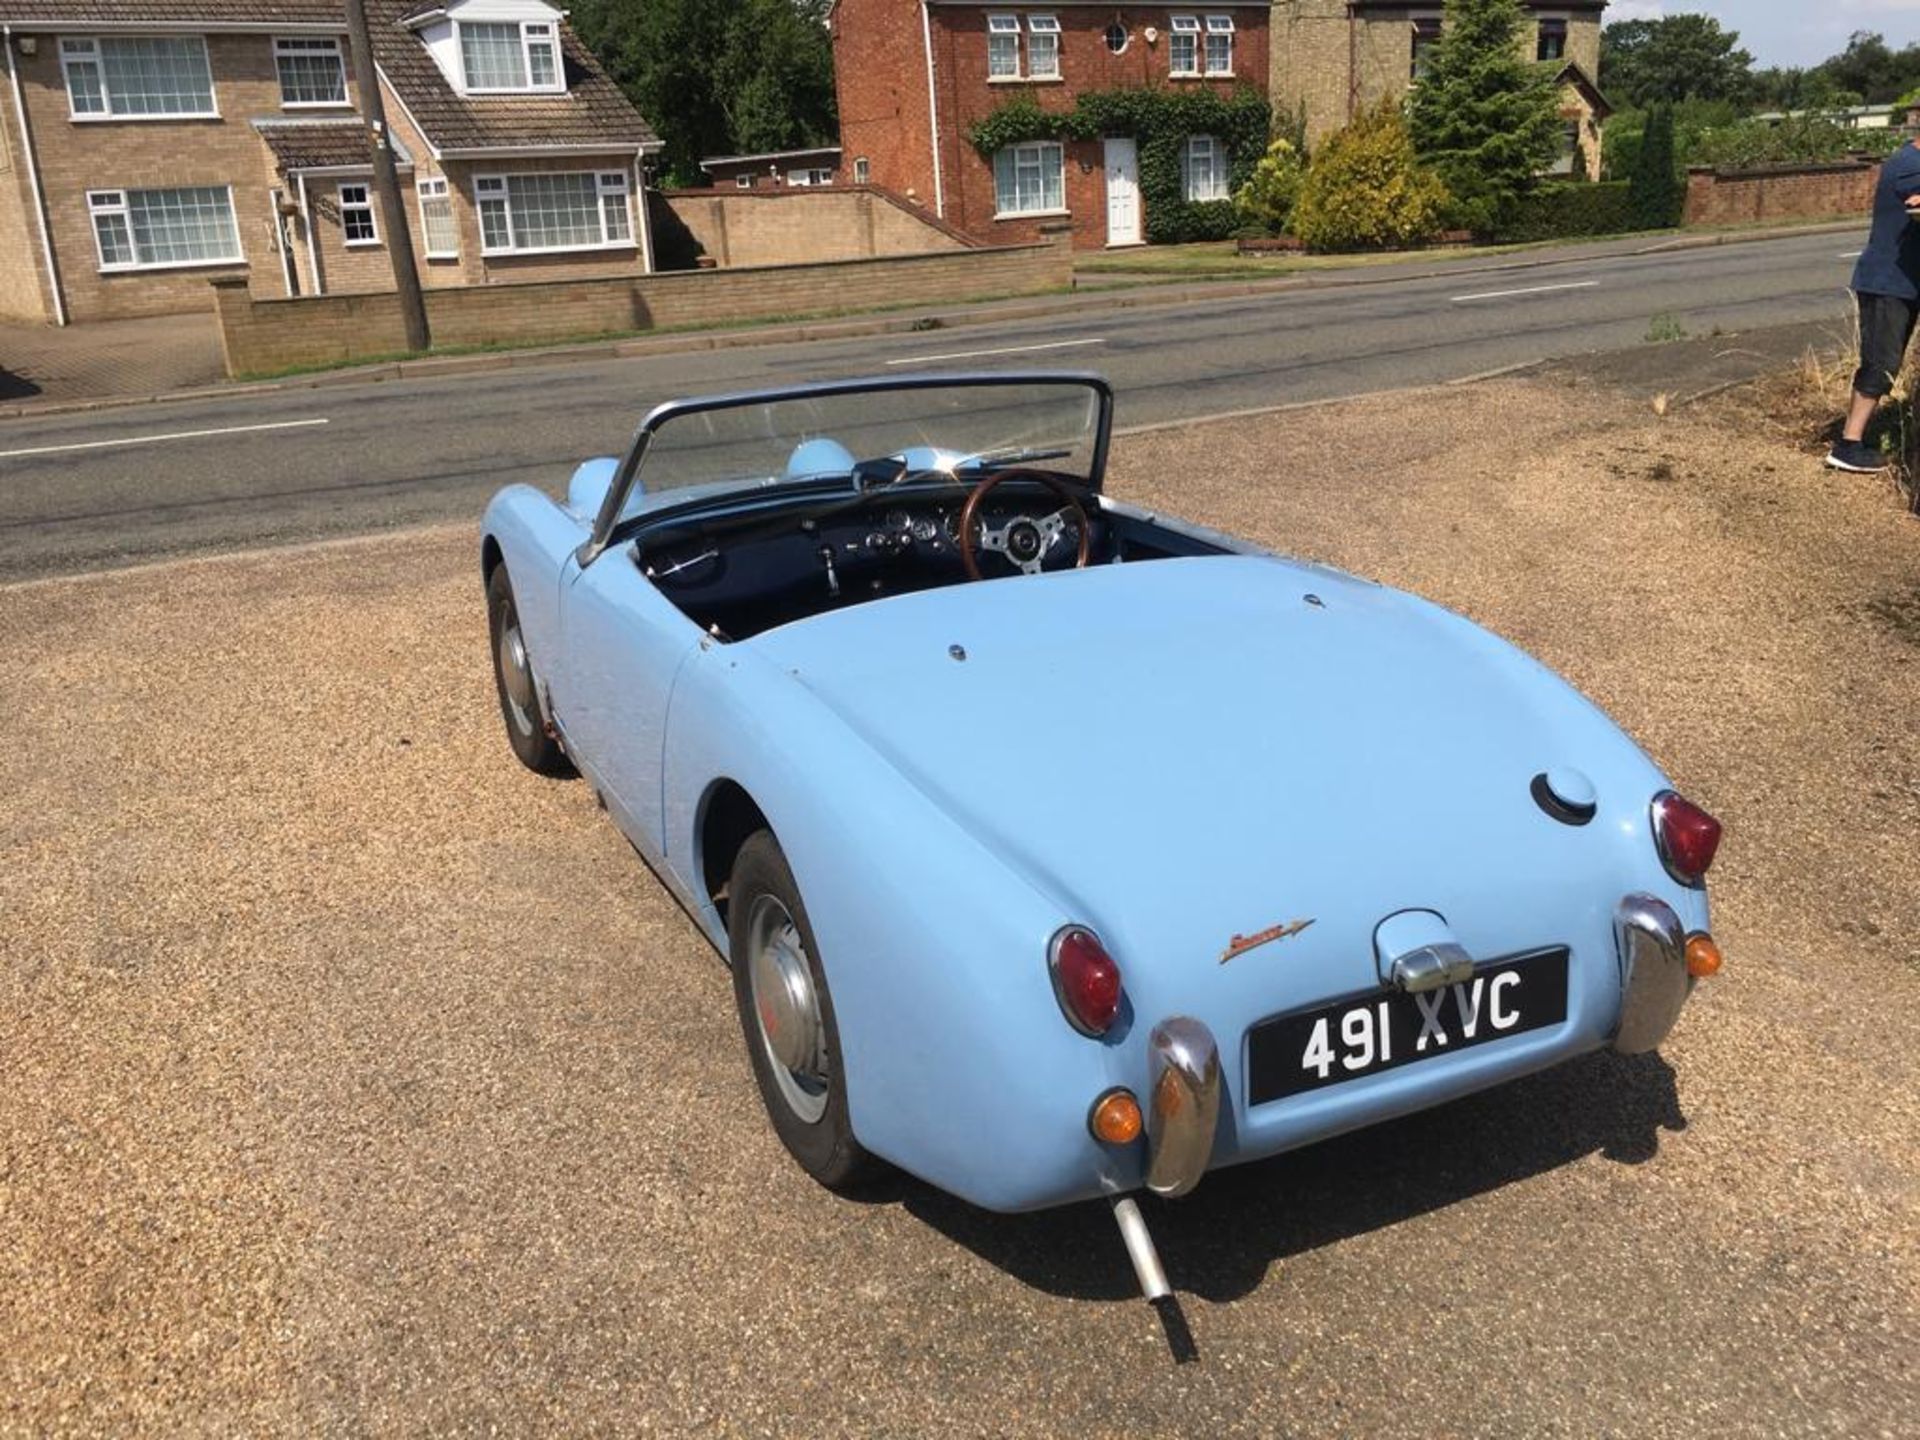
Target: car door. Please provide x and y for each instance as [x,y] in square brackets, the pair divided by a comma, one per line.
[624,644]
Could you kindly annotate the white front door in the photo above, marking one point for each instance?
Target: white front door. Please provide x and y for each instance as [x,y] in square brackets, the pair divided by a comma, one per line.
[1123,193]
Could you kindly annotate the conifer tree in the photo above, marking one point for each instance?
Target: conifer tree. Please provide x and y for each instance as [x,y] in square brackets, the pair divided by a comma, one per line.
[1485,116]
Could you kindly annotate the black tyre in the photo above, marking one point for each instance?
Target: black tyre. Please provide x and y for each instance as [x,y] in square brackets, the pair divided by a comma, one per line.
[513,679]
[786,1016]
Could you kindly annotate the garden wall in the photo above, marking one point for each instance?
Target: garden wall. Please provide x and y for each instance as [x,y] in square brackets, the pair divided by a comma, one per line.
[794,226]
[264,336]
[1781,192]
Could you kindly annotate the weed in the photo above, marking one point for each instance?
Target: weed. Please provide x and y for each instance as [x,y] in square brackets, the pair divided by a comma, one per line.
[1664,327]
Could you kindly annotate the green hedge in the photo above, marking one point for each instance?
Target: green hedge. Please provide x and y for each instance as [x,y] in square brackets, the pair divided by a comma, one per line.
[1565,210]
[1159,121]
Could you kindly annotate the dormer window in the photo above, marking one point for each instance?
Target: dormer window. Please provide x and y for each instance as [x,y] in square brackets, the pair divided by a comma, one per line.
[503,57]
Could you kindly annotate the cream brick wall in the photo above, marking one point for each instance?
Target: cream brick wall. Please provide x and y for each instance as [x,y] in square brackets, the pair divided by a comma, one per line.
[264,336]
[803,226]
[23,293]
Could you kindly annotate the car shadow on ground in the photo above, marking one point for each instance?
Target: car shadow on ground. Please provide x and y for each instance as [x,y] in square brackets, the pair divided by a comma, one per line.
[1219,1242]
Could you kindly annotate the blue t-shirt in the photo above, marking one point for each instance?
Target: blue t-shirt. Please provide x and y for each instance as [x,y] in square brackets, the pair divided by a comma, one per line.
[1890,265]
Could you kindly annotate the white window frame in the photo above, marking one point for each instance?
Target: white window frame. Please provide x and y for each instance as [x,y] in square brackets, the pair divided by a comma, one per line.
[1187,28]
[1039,147]
[366,203]
[1217,170]
[862,170]
[743,182]
[811,176]
[310,45]
[607,184]
[999,29]
[1217,25]
[532,33]
[85,50]
[435,187]
[1037,27]
[114,202]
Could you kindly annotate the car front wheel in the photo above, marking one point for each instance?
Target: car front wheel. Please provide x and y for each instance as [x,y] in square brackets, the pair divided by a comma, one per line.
[786,1016]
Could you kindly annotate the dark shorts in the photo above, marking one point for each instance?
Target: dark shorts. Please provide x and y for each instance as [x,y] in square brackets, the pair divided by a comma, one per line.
[1886,325]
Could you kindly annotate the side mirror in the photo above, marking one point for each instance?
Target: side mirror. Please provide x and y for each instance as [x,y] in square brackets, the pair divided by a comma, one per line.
[587,490]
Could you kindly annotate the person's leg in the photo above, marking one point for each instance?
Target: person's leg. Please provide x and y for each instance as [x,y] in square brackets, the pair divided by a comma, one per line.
[1886,325]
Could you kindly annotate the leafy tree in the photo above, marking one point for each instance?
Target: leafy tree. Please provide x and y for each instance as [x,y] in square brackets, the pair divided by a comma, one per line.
[1872,69]
[1654,189]
[718,76]
[1683,57]
[1485,117]
[1268,196]
[1367,190]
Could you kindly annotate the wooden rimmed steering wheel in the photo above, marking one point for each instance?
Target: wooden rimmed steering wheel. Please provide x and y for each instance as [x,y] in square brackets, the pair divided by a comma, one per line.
[1023,540]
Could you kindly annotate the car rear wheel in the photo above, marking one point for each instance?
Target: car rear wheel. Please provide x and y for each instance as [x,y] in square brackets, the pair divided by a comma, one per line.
[513,678]
[786,1016]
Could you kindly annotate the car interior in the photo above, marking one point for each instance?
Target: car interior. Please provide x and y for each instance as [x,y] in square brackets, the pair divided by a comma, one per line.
[736,577]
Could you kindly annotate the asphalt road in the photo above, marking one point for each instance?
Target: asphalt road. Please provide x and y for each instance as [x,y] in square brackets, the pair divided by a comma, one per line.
[94,490]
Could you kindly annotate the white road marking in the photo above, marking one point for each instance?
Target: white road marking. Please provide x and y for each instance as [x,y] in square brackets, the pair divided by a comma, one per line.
[156,439]
[1004,350]
[1850,255]
[1530,290]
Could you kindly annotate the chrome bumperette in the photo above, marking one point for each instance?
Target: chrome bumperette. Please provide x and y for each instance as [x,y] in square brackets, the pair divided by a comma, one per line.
[1654,982]
[1183,1104]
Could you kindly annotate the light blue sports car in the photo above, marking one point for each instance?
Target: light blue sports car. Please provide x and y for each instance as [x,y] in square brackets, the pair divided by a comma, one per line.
[1060,849]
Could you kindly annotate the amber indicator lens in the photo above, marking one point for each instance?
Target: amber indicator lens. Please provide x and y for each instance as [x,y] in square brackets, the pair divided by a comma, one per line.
[1115,1118]
[1703,957]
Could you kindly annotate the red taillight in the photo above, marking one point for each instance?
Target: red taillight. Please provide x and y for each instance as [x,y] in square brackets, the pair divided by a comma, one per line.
[1085,980]
[1687,836]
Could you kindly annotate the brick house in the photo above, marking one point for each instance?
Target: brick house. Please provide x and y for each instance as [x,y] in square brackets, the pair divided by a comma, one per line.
[149,146]
[914,78]
[819,165]
[1336,58]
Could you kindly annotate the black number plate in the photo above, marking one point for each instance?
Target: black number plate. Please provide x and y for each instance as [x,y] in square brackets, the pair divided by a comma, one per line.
[1382,1030]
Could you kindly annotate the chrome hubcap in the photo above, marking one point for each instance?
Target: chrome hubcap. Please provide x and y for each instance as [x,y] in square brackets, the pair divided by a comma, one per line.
[516,675]
[786,1008]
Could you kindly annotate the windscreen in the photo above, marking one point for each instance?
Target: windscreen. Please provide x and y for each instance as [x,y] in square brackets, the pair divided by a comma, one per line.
[941,432]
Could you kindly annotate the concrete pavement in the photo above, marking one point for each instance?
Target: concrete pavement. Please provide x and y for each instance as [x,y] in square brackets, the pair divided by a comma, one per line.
[82,491]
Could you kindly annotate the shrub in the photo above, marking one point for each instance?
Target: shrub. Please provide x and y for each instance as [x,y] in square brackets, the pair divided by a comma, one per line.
[1366,189]
[1658,195]
[1568,210]
[1266,200]
[1798,140]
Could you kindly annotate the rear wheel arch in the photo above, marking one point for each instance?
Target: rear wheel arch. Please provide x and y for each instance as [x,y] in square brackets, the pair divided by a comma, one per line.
[491,558]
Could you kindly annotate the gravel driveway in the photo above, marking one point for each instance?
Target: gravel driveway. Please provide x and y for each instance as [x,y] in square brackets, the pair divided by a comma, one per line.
[353,1079]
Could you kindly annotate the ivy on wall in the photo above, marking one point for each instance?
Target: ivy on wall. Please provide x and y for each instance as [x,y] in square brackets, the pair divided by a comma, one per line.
[1159,122]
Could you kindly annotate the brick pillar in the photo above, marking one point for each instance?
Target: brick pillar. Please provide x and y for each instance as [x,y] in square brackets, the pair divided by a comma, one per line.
[233,309]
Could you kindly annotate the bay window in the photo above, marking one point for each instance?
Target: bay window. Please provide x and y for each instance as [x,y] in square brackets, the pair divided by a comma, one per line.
[566,210]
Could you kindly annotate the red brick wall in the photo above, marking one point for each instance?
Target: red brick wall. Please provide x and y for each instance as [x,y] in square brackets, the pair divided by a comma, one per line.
[880,76]
[880,68]
[1730,197]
